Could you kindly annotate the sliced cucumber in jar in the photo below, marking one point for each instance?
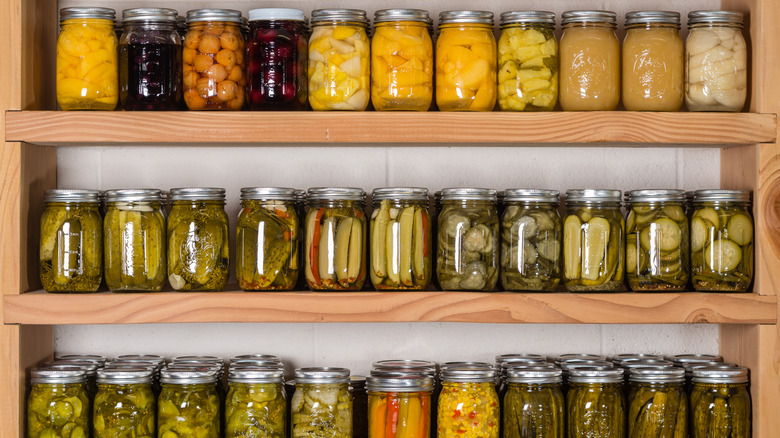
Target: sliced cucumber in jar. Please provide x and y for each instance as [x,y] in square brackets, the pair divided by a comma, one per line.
[674,212]
[708,214]
[722,255]
[594,244]
[740,229]
[698,234]
[663,234]
[572,244]
[631,258]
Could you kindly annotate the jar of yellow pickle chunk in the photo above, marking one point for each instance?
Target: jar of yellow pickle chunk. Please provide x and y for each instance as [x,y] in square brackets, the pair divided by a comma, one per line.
[466,61]
[339,60]
[87,64]
[402,60]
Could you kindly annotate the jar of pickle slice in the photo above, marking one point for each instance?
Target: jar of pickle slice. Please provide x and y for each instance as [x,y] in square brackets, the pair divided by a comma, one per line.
[466,61]
[468,240]
[720,403]
[71,244]
[657,404]
[57,405]
[87,60]
[534,404]
[321,404]
[90,370]
[339,55]
[198,253]
[721,241]
[657,254]
[124,404]
[531,235]
[256,404]
[399,406]
[188,404]
[335,239]
[593,241]
[527,62]
[213,60]
[267,239]
[468,405]
[595,406]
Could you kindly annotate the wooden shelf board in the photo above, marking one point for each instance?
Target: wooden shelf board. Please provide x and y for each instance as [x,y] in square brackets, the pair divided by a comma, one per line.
[59,128]
[497,307]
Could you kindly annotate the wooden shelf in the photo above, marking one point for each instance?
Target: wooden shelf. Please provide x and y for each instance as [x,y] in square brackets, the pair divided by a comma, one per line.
[59,128]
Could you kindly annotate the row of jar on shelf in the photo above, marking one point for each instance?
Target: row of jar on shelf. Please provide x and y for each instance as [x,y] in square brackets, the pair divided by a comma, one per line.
[281,65]
[399,399]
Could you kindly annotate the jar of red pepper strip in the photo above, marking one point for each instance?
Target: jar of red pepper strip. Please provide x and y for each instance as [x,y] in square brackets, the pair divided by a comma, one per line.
[399,406]
[468,404]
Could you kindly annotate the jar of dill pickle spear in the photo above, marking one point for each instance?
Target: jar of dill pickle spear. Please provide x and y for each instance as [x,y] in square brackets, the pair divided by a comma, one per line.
[534,404]
[58,404]
[188,404]
[657,402]
[124,403]
[321,404]
[468,404]
[256,403]
[720,403]
[595,403]
[399,404]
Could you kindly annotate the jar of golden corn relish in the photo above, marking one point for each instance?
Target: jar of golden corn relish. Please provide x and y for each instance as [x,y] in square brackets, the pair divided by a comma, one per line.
[468,404]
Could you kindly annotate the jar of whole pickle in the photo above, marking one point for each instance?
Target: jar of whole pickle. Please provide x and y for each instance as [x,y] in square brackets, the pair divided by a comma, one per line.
[653,62]
[188,404]
[256,403]
[124,403]
[321,404]
[721,241]
[150,72]
[657,255]
[399,406]
[594,403]
[87,60]
[213,60]
[531,234]
[590,61]
[715,62]
[534,404]
[720,402]
[527,62]
[57,404]
[593,241]
[276,60]
[335,239]
[267,237]
[339,55]
[468,240]
[198,253]
[402,60]
[657,402]
[468,405]
[71,245]
[466,61]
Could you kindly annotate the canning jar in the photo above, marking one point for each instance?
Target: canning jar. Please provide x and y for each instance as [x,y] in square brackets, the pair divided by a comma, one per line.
[357,390]
[531,234]
[527,61]
[335,239]
[400,238]
[399,406]
[276,60]
[657,403]
[595,406]
[134,241]
[339,55]
[721,241]
[267,239]
[150,72]
[466,61]
[256,403]
[720,403]
[124,404]
[715,62]
[57,404]
[590,61]
[402,60]
[533,404]
[321,404]
[71,245]
[213,60]
[468,405]
[87,60]
[188,404]
[198,253]
[657,254]
[90,371]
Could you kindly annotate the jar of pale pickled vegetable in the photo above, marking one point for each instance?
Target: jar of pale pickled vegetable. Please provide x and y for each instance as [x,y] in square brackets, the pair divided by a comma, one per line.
[198,253]
[267,239]
[400,406]
[468,404]
[466,61]
[188,404]
[721,241]
[335,239]
[534,404]
[256,403]
[590,61]
[321,404]
[124,404]
[339,55]
[715,62]
[87,60]
[531,234]
[657,402]
[720,402]
[58,404]
[593,241]
[527,61]
[594,403]
[71,245]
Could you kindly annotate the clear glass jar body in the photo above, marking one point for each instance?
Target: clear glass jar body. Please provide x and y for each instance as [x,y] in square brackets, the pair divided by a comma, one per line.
[534,409]
[715,68]
[189,410]
[590,67]
[150,67]
[653,68]
[124,409]
[721,246]
[527,68]
[593,246]
[339,66]
[720,409]
[322,410]
[401,66]
[399,414]
[468,409]
[466,67]
[252,409]
[657,409]
[58,409]
[595,410]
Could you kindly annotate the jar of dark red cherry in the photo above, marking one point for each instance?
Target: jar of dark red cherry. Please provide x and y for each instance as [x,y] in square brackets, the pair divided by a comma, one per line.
[276,60]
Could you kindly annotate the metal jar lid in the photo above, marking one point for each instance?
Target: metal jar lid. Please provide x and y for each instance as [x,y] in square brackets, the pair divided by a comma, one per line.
[506,367]
[657,375]
[637,18]
[227,15]
[588,195]
[406,193]
[256,363]
[596,375]
[606,17]
[269,14]
[696,358]
[133,195]
[720,374]
[536,376]
[70,195]
[466,17]
[468,374]
[531,195]
[155,358]
[89,367]
[136,15]
[64,374]
[466,364]
[546,18]
[124,376]
[469,194]
[321,375]
[385,15]
[715,17]
[86,13]
[634,356]
[256,374]
[93,357]
[264,357]
[185,376]
[319,16]
[566,366]
[403,364]
[261,193]
[518,357]
[407,383]
[661,195]
[647,363]
[198,194]
[132,364]
[721,195]
[578,357]
[198,358]
[335,193]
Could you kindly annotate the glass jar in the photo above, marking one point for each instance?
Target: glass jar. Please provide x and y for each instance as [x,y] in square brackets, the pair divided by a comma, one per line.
[721,241]
[715,62]
[402,60]
[357,389]
[720,403]
[57,404]
[150,72]
[339,55]
[267,235]
[657,254]
[399,406]
[531,240]
[335,239]
[594,404]
[590,61]
[124,403]
[188,404]
[527,62]
[400,239]
[198,253]
[593,241]
[256,403]
[213,60]
[468,405]
[71,245]
[277,52]
[87,60]
[321,404]
[90,370]
[534,404]
[468,240]
[657,402]
[466,61]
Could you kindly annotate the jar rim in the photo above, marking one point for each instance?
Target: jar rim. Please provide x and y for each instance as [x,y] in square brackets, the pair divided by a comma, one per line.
[636,18]
[711,195]
[469,193]
[720,374]
[404,363]
[335,193]
[133,195]
[596,375]
[267,357]
[124,376]
[86,13]
[324,16]
[260,193]
[406,193]
[209,14]
[532,17]
[519,357]
[317,375]
[58,375]
[589,16]
[466,373]
[145,357]
[185,376]
[538,375]
[535,195]
[466,16]
[71,195]
[715,17]
[656,374]
[389,15]
[593,195]
[405,383]
[256,374]
[197,194]
[135,15]
[276,14]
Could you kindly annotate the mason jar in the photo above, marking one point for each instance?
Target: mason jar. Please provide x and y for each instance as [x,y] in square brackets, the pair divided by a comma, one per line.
[124,403]
[468,404]
[58,404]
[720,402]
[321,404]
[188,404]
[506,361]
[400,404]
[90,371]
[595,403]
[533,404]
[357,390]
[659,401]
[256,403]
